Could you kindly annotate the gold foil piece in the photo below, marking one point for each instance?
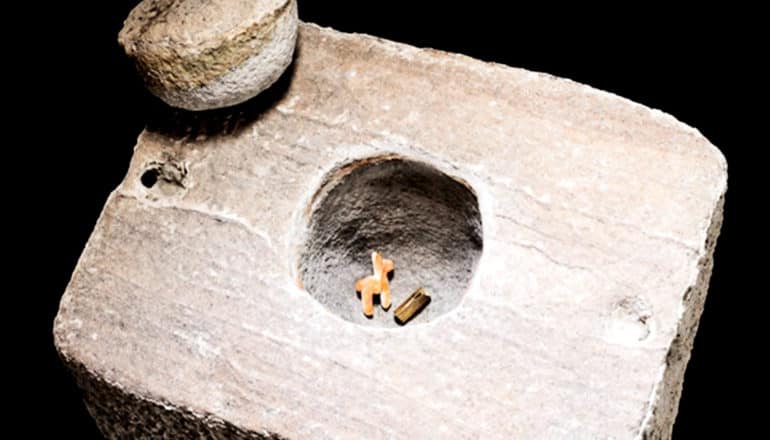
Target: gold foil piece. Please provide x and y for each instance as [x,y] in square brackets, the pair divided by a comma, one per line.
[412,306]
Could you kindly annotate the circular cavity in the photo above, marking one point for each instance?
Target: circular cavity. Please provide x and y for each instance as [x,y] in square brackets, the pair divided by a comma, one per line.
[150,177]
[427,222]
[207,54]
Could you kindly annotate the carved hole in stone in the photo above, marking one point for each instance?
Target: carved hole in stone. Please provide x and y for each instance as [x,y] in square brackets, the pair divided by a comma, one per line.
[150,177]
[165,179]
[427,222]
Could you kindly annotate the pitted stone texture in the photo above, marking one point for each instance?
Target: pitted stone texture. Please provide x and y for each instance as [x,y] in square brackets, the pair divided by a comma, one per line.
[599,218]
[206,54]
[424,220]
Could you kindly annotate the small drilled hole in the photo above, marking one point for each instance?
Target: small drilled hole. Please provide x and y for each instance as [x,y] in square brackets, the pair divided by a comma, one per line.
[150,177]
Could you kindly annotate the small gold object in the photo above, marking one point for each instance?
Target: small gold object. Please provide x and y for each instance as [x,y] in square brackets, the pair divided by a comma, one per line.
[412,306]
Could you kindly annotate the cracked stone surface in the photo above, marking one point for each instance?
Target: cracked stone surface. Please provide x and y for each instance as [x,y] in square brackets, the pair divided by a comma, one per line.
[198,306]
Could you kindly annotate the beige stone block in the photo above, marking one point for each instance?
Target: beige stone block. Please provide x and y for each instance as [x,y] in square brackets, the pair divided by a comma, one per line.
[565,235]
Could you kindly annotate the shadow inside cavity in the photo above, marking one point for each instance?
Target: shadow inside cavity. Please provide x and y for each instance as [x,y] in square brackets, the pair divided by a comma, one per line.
[428,223]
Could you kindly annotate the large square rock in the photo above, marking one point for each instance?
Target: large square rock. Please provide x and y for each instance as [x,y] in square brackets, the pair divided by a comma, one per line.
[566,235]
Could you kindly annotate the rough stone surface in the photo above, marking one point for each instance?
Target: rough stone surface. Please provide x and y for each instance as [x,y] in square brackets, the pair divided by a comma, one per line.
[597,218]
[206,54]
[425,221]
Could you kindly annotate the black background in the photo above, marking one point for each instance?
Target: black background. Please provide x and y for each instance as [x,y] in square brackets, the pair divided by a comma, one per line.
[694,66]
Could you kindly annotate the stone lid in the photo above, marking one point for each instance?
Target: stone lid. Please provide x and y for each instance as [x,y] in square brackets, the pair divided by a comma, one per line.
[193,26]
[186,48]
